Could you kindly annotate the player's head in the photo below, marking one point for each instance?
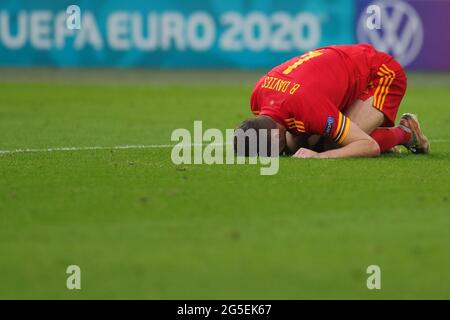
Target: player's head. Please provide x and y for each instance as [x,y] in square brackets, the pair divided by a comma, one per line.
[247,137]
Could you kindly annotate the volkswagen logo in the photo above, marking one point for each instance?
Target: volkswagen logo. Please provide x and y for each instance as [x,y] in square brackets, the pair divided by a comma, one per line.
[401,32]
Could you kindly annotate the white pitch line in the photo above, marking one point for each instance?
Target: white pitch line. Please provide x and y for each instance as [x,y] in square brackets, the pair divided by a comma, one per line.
[132,146]
[27,150]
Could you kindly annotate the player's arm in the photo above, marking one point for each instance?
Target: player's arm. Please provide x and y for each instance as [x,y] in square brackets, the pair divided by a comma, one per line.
[356,143]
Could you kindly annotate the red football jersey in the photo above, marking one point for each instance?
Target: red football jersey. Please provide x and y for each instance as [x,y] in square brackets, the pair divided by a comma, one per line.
[308,92]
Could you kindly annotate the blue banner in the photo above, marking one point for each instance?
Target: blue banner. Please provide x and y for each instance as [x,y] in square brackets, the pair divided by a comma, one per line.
[169,34]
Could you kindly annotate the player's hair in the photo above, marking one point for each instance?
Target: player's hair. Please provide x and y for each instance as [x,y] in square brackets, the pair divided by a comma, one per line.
[248,133]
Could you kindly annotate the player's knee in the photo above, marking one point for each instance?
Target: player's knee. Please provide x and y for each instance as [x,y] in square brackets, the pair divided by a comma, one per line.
[374,149]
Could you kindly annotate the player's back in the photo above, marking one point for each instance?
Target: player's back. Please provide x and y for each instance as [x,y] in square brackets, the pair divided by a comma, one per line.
[341,73]
[323,81]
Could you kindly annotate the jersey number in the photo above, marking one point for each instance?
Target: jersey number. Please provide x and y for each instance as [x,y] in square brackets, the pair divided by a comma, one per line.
[303,58]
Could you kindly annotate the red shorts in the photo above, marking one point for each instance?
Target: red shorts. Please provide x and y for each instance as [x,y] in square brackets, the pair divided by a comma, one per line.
[387,87]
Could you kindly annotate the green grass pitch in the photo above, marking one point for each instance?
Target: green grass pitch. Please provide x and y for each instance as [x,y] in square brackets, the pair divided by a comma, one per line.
[140,227]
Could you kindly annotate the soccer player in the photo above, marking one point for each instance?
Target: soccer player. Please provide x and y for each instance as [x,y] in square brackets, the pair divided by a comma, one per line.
[348,94]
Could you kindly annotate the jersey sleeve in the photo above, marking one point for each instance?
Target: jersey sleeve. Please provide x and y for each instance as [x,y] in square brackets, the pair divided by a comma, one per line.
[323,118]
[341,129]
[255,103]
[255,110]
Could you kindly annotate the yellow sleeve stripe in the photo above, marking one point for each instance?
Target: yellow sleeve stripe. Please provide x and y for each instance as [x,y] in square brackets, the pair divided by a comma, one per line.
[295,124]
[341,129]
[345,133]
[338,127]
[300,128]
[300,124]
[382,90]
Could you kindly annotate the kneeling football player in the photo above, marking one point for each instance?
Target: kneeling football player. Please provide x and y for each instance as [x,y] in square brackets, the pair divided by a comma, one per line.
[346,95]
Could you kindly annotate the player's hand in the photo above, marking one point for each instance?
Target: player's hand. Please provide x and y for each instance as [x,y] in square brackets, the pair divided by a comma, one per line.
[306,153]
